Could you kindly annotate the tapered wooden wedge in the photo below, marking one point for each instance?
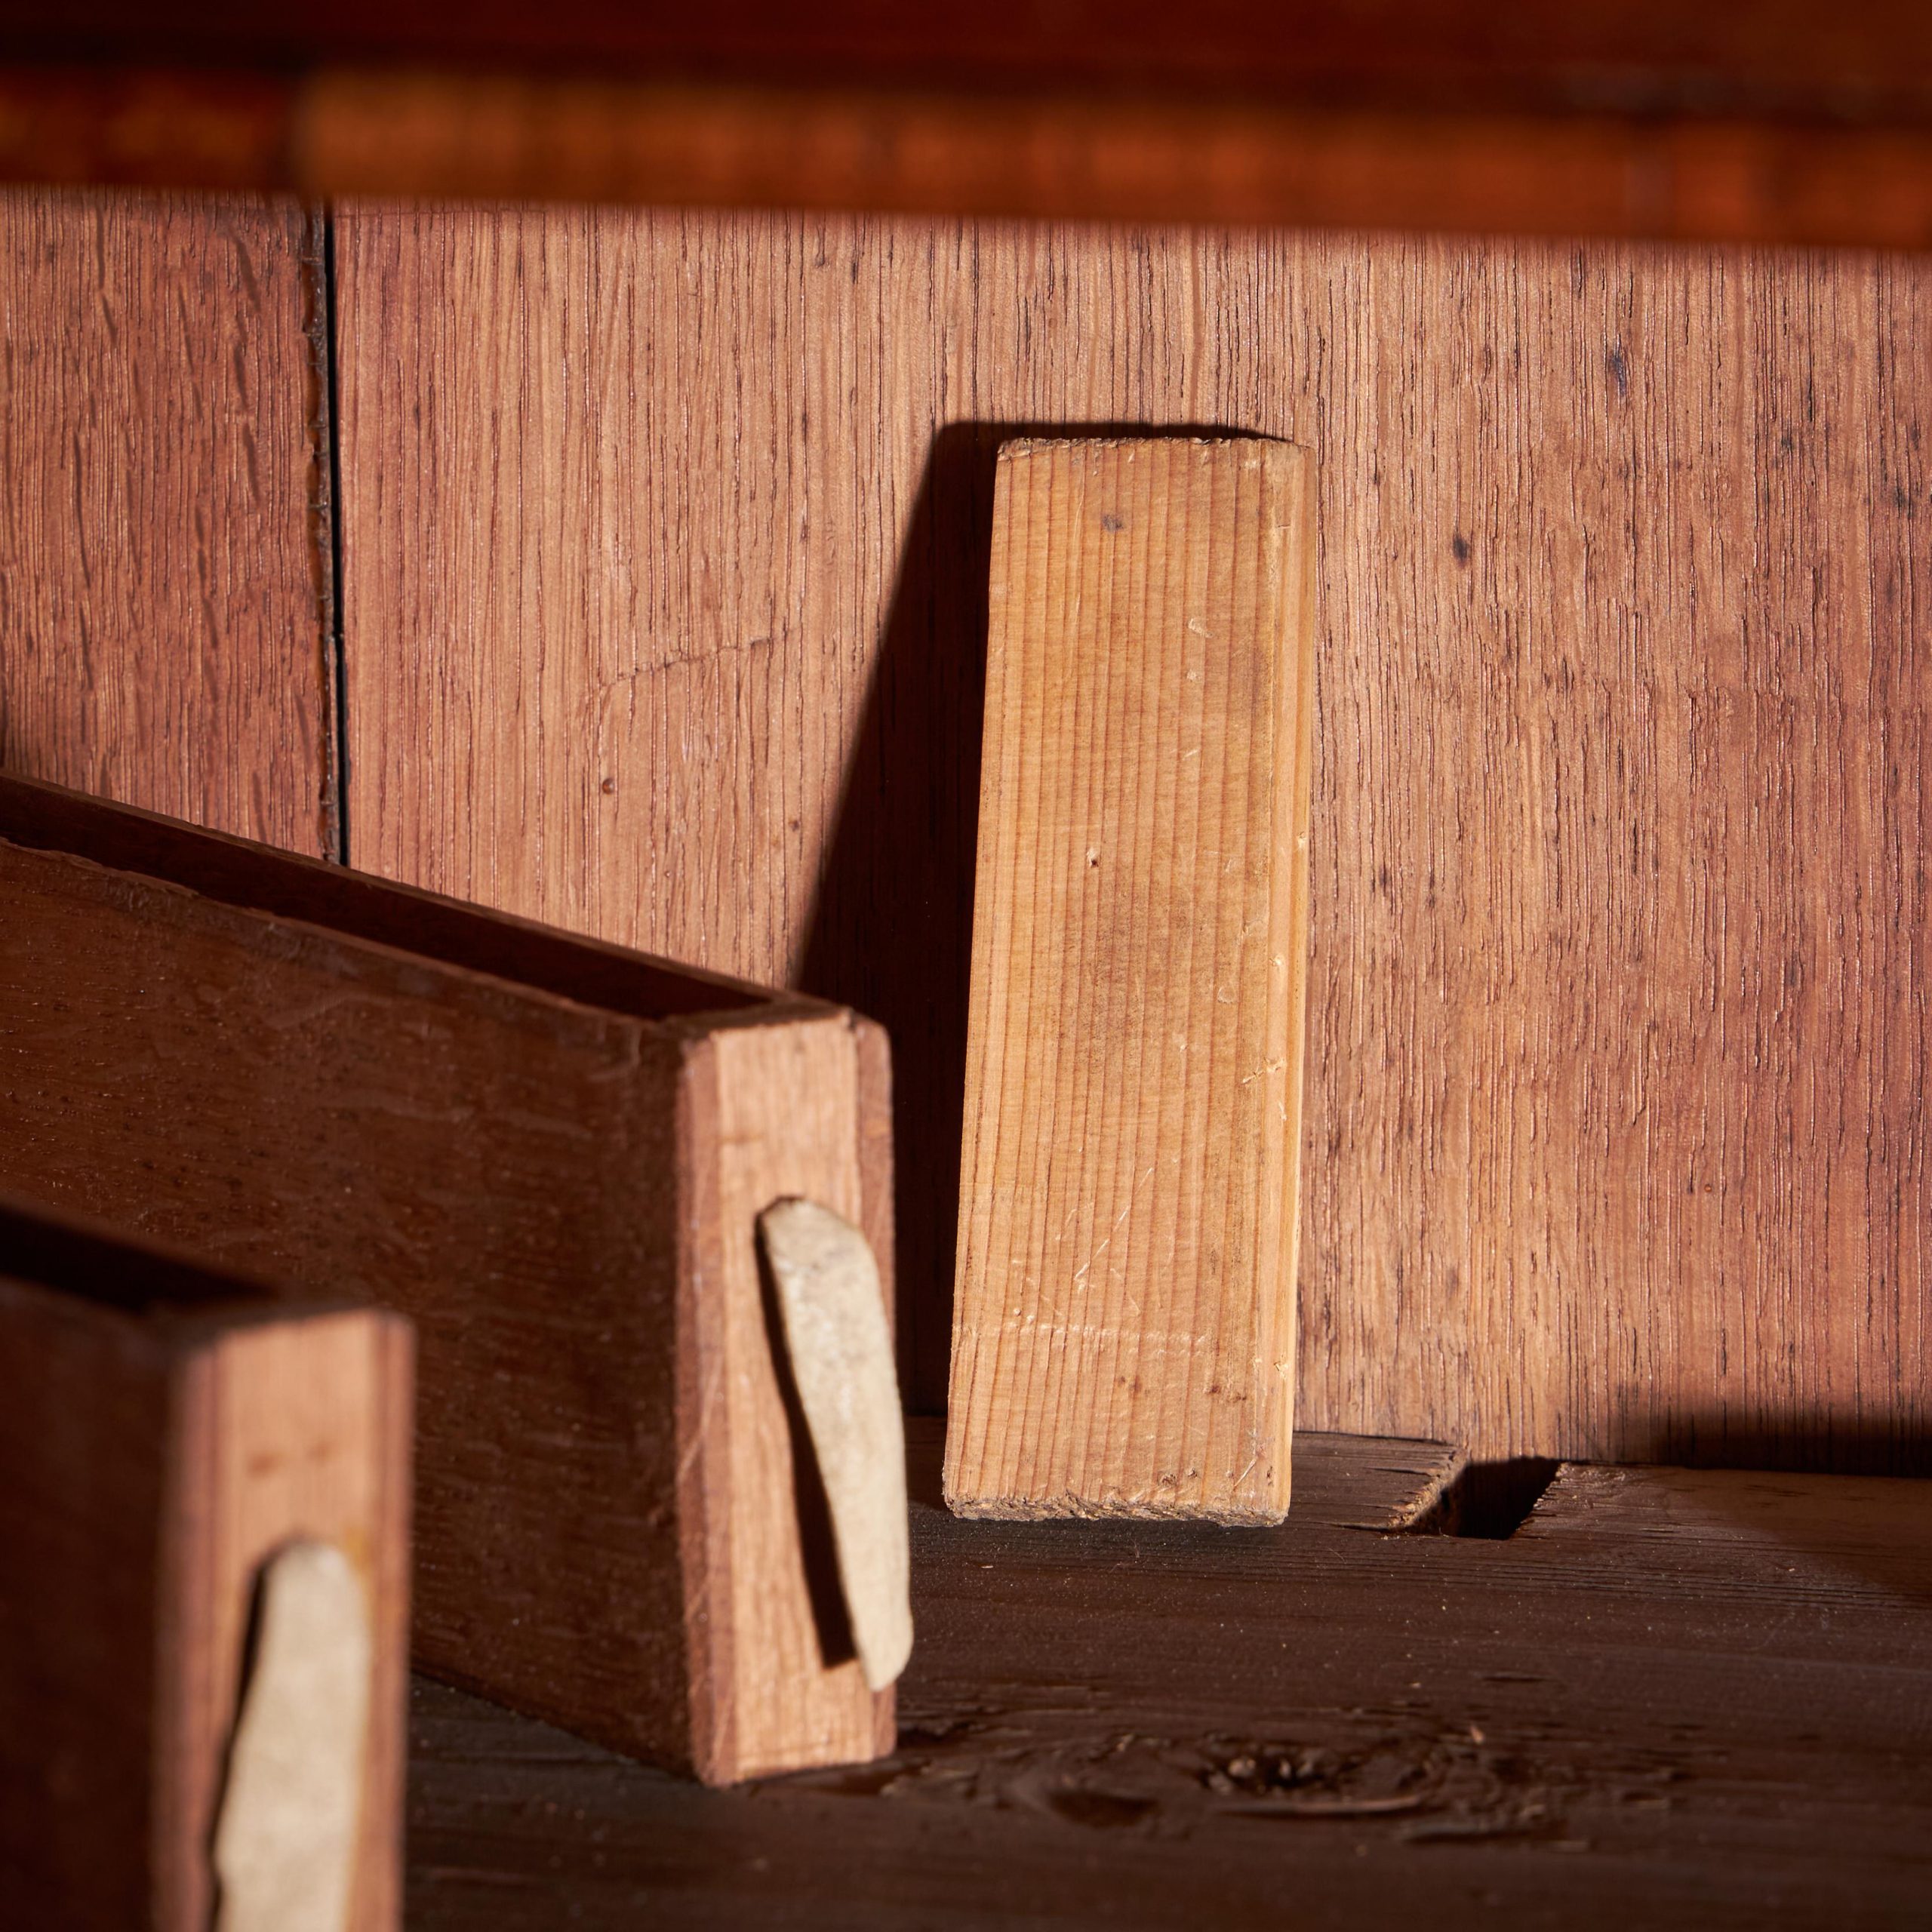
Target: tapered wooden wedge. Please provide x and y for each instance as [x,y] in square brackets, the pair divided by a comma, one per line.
[1124,1320]
[552,1154]
[204,1576]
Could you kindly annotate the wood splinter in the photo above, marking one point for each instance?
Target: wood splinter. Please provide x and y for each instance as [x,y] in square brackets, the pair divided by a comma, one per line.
[832,1306]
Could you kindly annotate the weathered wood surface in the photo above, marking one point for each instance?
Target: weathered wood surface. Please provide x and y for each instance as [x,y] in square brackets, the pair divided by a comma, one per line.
[1123,1331]
[553,1166]
[666,544]
[162,544]
[164,1431]
[1172,1725]
[1771,123]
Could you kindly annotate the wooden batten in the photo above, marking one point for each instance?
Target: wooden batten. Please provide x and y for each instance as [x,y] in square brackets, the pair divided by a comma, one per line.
[551,1154]
[167,1434]
[1123,1324]
[766,1113]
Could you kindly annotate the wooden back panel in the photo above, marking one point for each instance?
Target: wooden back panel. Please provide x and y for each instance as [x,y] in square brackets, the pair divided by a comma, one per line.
[1615,1143]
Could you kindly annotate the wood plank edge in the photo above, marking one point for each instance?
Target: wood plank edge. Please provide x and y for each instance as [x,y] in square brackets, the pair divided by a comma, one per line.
[1062,1508]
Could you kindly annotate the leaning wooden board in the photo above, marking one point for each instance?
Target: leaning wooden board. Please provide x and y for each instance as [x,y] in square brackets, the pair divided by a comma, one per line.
[551,1154]
[1124,1321]
[167,1433]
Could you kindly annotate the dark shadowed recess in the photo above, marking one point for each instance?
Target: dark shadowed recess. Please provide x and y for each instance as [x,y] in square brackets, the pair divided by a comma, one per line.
[1489,1500]
[1808,1440]
[79,1257]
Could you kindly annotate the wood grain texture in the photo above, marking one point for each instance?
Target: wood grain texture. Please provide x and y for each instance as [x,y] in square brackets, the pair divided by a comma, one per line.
[666,543]
[1124,1318]
[157,1450]
[162,623]
[784,1122]
[1162,1725]
[534,1176]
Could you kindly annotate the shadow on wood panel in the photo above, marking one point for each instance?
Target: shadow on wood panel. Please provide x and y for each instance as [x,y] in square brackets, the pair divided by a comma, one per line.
[891,929]
[1811,1439]
[821,1555]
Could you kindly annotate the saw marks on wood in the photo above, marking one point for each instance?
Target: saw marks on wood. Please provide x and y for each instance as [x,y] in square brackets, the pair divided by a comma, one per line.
[1123,1335]
[666,542]
[163,568]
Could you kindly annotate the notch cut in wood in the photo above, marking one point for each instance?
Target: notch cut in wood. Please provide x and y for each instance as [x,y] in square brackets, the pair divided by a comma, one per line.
[832,1307]
[1124,1317]
[285,1849]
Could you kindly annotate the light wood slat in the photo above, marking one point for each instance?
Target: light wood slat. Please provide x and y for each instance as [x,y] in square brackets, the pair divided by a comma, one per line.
[1124,1321]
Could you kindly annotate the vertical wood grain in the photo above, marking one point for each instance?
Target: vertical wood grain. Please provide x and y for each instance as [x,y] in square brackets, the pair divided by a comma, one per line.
[157,1456]
[786,1124]
[1124,1320]
[665,544]
[306,1430]
[162,568]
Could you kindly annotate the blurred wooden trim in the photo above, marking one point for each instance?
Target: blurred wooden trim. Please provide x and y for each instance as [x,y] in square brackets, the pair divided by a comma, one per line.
[339,129]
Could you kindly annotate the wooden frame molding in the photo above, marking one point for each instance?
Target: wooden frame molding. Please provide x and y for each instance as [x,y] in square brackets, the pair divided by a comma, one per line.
[550,1153]
[1135,156]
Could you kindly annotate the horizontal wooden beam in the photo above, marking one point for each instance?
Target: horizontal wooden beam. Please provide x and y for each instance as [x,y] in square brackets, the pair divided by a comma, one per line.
[1592,165]
[551,1154]
[171,1438]
[1791,58]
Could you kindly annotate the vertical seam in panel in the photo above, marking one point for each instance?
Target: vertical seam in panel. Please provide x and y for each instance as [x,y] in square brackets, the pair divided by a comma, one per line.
[324,351]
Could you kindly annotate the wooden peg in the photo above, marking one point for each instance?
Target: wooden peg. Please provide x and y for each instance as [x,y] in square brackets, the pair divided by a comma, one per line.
[168,1435]
[551,1154]
[1124,1322]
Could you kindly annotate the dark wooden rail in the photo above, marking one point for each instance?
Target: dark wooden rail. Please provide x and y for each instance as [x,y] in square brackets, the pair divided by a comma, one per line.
[1778,122]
